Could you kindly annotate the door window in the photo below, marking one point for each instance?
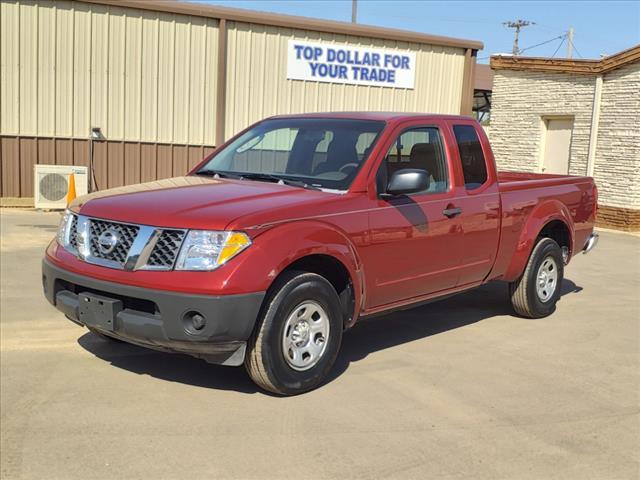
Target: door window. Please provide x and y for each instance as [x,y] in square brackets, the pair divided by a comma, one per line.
[474,166]
[419,148]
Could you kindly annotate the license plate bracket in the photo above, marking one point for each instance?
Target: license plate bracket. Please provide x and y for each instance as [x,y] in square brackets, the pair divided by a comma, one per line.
[98,311]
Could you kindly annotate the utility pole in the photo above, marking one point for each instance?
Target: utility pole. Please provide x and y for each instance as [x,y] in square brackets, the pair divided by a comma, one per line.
[354,11]
[570,43]
[517,25]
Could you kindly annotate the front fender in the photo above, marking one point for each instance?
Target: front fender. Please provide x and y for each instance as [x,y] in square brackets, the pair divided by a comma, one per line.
[275,249]
[542,214]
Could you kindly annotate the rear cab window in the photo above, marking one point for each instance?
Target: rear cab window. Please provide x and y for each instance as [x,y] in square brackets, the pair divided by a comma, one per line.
[474,165]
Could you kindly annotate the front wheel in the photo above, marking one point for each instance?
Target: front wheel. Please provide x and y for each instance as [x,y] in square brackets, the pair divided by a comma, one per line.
[534,295]
[298,335]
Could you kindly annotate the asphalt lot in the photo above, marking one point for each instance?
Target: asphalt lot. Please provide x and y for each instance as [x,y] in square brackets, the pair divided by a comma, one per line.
[457,389]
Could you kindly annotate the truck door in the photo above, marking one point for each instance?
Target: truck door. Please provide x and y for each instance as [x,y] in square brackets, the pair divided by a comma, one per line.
[414,249]
[477,201]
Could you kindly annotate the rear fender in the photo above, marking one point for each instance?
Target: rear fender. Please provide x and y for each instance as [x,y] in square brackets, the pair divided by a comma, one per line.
[542,214]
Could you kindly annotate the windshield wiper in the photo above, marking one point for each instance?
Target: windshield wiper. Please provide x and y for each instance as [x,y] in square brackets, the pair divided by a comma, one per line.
[219,174]
[278,179]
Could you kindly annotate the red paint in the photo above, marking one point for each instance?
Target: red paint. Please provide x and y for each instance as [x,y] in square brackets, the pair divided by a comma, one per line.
[395,253]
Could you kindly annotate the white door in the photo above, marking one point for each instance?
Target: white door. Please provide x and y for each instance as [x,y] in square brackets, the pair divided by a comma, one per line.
[557,145]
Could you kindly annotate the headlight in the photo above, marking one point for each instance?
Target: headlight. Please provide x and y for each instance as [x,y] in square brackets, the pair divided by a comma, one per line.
[63,229]
[207,250]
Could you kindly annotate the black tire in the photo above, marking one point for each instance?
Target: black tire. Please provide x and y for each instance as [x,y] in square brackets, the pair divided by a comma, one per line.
[525,298]
[265,361]
[103,336]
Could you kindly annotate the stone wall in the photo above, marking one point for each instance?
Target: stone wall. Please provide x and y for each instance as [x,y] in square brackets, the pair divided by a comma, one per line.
[617,161]
[522,99]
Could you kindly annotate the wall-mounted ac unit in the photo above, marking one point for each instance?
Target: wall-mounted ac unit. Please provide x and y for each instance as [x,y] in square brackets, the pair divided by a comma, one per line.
[51,184]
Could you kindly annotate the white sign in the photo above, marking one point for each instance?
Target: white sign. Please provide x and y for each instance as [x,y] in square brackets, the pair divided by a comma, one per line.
[328,62]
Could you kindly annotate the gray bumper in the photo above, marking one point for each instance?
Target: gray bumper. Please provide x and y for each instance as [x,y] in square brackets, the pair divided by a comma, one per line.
[155,318]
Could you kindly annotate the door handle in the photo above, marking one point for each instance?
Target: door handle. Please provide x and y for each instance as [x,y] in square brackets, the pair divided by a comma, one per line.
[452,212]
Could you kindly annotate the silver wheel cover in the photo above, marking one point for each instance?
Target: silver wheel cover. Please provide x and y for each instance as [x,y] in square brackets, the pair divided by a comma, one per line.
[305,336]
[547,279]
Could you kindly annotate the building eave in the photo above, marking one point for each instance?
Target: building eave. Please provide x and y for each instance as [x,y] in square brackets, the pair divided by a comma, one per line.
[565,65]
[290,21]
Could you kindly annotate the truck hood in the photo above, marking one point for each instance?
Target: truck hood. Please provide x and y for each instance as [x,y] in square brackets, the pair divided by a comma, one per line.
[193,202]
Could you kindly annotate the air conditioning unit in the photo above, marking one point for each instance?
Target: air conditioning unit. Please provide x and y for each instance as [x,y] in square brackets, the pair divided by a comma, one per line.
[51,184]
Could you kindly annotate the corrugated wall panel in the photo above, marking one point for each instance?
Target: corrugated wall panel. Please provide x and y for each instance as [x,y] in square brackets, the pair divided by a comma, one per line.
[116,54]
[166,67]
[182,81]
[69,66]
[64,58]
[28,155]
[149,78]
[46,70]
[64,152]
[81,70]
[28,81]
[9,68]
[210,86]
[258,87]
[10,167]
[99,61]
[133,76]
[197,79]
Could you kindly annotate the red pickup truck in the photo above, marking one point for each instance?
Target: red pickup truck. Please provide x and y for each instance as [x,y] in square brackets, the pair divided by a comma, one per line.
[299,226]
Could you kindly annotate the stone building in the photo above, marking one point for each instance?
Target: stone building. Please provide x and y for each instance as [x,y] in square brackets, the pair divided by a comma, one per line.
[580,117]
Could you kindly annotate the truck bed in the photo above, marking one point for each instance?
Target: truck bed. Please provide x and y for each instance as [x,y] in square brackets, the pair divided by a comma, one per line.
[521,193]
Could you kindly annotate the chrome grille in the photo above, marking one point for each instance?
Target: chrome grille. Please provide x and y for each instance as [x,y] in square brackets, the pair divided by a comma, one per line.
[126,235]
[73,234]
[166,250]
[138,247]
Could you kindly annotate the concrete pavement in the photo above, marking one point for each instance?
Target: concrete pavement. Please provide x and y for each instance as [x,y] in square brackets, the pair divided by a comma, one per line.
[456,389]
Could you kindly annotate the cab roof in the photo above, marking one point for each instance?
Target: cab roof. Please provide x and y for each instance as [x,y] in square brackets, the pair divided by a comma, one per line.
[380,116]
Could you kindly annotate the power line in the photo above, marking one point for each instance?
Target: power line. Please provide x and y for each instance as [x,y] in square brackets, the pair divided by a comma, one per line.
[563,39]
[576,50]
[563,36]
[544,43]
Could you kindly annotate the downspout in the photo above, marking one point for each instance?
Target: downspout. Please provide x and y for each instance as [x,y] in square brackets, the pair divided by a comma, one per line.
[595,121]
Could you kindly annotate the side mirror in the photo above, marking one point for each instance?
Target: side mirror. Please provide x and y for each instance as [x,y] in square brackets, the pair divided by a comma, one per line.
[406,181]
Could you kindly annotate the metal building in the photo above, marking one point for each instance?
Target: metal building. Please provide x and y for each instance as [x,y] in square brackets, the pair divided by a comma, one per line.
[167,81]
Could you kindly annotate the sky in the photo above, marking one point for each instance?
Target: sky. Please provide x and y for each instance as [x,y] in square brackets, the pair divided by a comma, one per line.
[600,27]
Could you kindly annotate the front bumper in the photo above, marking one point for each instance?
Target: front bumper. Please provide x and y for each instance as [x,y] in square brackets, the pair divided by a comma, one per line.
[157,319]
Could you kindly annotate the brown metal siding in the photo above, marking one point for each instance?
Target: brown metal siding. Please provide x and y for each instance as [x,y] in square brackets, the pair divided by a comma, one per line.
[10,167]
[115,163]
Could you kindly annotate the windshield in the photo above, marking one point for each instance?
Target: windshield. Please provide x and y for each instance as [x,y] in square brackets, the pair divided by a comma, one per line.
[323,153]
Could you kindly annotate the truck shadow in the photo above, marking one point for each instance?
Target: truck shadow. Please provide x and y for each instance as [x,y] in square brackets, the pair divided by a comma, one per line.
[366,337]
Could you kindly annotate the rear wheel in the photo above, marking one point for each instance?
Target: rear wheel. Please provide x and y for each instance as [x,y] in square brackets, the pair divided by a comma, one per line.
[298,335]
[534,295]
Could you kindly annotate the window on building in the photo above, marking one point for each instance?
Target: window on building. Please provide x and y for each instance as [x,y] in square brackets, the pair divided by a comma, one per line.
[417,148]
[474,166]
